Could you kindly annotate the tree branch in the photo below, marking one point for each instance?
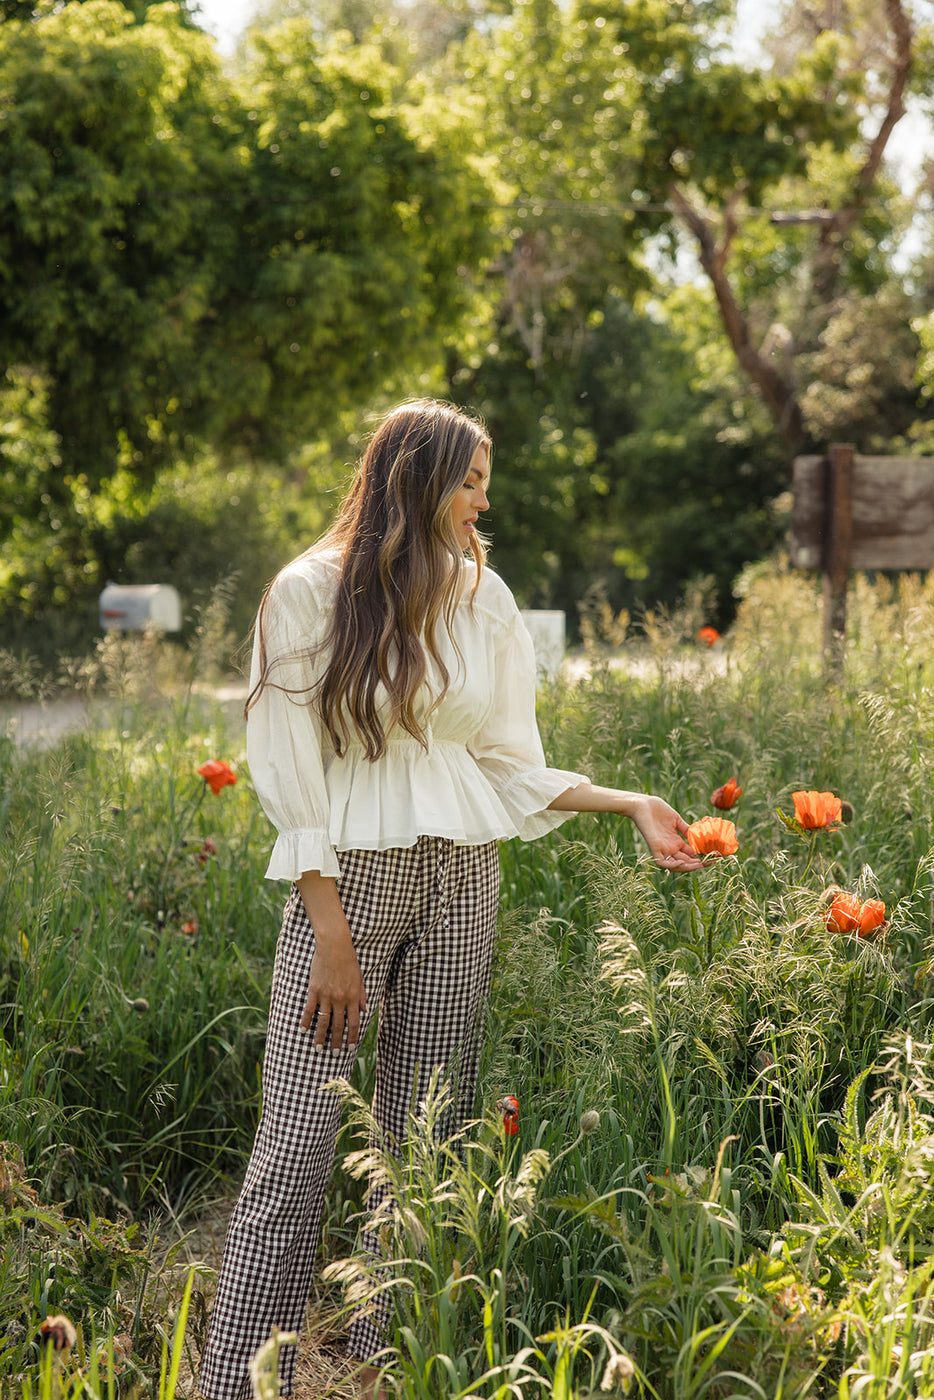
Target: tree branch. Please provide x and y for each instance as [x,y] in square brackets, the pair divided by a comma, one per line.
[835,231]
[777,392]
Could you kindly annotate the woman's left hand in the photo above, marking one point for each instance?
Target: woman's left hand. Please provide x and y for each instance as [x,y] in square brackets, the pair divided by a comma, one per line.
[661,826]
[664,831]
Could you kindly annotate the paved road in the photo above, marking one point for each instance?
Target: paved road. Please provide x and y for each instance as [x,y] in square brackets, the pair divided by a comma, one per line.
[44,724]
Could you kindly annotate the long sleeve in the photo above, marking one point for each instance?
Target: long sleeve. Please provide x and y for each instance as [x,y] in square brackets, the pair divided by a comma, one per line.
[508,748]
[284,736]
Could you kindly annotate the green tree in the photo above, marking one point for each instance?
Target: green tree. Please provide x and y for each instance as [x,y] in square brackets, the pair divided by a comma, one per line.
[112,232]
[617,132]
[32,9]
[650,465]
[594,445]
[200,526]
[184,261]
[359,214]
[412,35]
[825,215]
[187,261]
[693,473]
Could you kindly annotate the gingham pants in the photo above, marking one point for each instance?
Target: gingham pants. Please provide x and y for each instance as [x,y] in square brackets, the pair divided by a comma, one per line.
[423,921]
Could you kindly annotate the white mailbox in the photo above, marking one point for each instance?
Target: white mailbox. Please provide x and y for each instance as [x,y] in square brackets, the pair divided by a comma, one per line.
[132,607]
[547,630]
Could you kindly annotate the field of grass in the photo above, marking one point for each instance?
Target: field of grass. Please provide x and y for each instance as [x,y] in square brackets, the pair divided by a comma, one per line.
[722,1180]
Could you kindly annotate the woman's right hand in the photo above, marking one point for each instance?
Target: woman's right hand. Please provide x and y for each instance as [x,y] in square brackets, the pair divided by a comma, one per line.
[335,982]
[336,992]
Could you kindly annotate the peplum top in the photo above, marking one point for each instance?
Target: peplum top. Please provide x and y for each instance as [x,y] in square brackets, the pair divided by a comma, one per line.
[482,776]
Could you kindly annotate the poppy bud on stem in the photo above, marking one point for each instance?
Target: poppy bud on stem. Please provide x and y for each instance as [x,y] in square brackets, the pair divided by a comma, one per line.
[726,796]
[509,1108]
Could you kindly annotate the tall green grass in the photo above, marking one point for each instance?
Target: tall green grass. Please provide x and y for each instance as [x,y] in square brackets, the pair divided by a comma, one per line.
[751,1215]
[135,938]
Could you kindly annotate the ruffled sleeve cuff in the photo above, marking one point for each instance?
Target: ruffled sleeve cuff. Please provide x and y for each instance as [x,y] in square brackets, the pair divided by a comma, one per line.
[298,851]
[526,797]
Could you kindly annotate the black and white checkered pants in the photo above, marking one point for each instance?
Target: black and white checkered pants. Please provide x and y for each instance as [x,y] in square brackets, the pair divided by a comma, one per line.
[423,921]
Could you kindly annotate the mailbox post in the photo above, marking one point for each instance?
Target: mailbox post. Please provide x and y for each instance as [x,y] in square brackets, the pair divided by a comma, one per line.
[547,628]
[134,607]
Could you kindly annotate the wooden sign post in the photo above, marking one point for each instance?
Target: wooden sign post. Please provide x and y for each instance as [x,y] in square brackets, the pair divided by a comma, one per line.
[855,512]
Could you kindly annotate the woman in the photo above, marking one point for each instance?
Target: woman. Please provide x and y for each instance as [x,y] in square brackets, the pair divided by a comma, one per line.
[391,738]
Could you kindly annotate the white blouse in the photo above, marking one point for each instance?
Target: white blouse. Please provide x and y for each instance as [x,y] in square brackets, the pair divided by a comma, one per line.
[482,777]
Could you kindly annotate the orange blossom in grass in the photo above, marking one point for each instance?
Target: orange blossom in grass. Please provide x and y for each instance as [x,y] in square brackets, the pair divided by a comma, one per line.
[817,811]
[843,914]
[713,836]
[217,774]
[726,796]
[847,914]
[871,917]
[509,1108]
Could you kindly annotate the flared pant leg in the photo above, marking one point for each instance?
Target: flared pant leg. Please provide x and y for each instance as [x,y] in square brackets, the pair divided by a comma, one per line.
[432,1014]
[423,923]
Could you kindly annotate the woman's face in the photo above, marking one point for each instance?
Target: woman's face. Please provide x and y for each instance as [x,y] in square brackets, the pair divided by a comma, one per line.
[471,499]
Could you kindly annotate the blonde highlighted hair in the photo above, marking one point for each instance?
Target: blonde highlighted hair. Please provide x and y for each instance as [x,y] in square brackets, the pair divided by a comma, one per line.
[400,574]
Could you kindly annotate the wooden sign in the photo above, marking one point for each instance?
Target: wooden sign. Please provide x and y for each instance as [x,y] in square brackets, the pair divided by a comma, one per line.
[891,512]
[854,512]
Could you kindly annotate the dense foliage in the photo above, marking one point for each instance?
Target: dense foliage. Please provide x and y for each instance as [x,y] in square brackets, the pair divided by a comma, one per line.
[658,271]
[182,263]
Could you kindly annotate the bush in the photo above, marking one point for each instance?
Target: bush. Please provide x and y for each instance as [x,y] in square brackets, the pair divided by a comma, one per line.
[202,525]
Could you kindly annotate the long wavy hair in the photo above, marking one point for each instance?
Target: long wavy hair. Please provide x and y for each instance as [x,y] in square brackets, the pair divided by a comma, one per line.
[400,574]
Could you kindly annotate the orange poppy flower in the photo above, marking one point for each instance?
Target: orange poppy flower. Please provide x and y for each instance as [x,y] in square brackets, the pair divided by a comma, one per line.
[725,797]
[217,774]
[509,1108]
[713,836]
[816,811]
[871,917]
[843,914]
[708,635]
[847,915]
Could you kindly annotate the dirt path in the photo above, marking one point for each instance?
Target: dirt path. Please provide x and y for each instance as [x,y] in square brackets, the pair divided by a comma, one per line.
[322,1370]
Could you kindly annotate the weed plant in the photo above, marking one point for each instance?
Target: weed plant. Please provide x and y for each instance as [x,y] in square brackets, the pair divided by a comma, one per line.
[750,1215]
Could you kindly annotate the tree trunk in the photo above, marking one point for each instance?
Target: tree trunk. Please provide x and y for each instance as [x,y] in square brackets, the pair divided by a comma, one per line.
[778,392]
